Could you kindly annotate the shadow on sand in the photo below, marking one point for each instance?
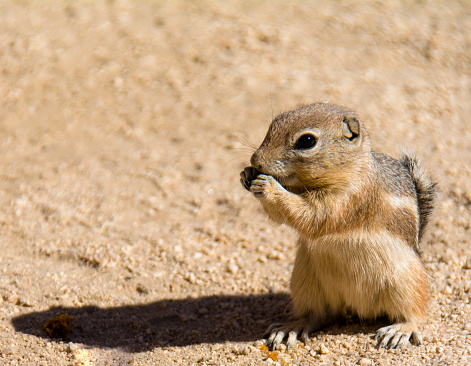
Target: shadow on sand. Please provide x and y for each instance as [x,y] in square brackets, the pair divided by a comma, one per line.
[168,323]
[184,322]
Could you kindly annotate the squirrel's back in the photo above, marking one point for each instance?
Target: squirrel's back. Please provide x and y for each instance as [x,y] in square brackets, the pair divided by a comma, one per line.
[407,178]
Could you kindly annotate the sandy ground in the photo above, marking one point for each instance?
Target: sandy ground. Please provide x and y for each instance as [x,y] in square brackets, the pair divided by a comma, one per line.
[123,128]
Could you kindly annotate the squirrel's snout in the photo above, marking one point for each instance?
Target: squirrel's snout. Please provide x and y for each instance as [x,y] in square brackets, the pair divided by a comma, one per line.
[255,160]
[261,163]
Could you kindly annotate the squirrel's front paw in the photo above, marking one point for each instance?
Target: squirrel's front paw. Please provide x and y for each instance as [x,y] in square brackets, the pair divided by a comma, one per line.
[247,176]
[265,186]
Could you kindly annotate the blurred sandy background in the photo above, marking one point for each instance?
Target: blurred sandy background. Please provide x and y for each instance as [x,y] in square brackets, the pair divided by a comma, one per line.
[123,128]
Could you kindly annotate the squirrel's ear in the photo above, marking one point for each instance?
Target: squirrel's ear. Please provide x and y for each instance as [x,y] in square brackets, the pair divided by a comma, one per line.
[351,127]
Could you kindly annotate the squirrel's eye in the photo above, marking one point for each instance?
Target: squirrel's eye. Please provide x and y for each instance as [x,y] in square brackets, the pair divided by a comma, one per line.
[306,141]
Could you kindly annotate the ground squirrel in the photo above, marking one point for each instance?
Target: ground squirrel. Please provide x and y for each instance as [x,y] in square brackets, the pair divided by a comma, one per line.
[360,216]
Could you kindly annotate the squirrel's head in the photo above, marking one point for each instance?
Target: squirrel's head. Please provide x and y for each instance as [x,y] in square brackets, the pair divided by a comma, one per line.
[315,146]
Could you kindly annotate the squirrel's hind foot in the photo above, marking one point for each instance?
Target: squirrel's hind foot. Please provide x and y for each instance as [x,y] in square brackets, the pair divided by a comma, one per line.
[276,333]
[398,335]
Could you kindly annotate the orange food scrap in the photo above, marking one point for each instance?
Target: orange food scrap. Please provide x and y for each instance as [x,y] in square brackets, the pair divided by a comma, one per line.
[59,327]
[273,356]
[263,347]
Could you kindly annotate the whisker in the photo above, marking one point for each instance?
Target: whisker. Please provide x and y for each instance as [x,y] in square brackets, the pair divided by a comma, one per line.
[237,158]
[263,110]
[244,140]
[243,149]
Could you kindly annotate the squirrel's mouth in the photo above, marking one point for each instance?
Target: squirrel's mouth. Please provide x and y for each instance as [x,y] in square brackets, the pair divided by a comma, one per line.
[293,184]
[287,181]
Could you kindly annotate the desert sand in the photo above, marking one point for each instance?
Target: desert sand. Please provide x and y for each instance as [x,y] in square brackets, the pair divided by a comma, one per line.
[123,128]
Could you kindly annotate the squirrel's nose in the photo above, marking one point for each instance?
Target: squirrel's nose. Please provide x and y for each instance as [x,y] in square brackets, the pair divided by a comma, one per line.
[255,160]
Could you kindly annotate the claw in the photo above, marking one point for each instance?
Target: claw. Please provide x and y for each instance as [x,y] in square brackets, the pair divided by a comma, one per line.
[271,338]
[399,335]
[278,332]
[278,339]
[394,340]
[404,341]
[305,336]
[292,336]
[270,329]
[381,332]
[387,337]
[416,338]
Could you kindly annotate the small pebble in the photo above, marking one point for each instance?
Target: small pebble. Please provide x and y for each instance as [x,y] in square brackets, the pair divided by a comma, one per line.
[232,268]
[215,347]
[191,278]
[244,351]
[23,302]
[276,255]
[323,350]
[72,347]
[142,289]
[12,298]
[259,343]
[8,351]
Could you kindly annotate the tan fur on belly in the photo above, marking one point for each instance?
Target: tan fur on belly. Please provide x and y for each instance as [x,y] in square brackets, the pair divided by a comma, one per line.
[372,274]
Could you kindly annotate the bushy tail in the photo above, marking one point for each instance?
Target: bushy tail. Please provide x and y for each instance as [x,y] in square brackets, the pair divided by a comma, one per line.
[425,187]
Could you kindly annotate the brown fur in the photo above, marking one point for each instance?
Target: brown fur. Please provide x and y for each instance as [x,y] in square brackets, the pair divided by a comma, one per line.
[359,215]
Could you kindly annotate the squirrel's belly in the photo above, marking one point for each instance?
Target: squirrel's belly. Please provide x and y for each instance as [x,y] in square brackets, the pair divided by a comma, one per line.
[364,272]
